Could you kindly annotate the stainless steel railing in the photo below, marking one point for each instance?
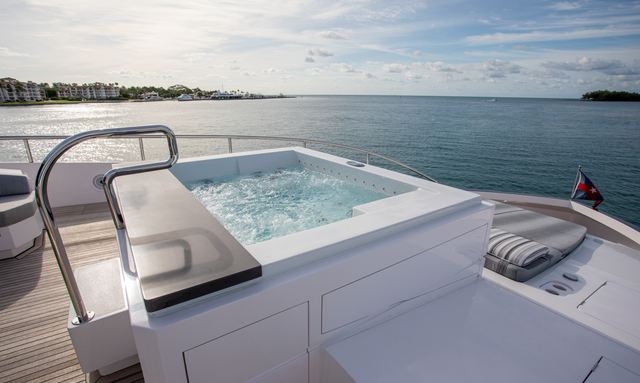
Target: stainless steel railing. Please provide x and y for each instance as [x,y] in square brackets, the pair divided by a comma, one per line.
[42,196]
[368,154]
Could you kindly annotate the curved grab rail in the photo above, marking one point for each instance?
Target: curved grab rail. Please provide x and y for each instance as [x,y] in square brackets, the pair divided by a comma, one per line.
[109,176]
[42,197]
[229,138]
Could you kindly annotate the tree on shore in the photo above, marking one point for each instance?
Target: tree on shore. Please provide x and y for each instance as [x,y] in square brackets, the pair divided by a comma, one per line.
[171,92]
[51,93]
[608,95]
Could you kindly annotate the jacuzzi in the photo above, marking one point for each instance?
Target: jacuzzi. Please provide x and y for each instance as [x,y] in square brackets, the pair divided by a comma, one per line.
[206,281]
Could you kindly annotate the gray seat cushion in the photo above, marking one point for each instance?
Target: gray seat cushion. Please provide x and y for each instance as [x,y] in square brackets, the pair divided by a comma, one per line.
[13,182]
[559,236]
[15,208]
[514,248]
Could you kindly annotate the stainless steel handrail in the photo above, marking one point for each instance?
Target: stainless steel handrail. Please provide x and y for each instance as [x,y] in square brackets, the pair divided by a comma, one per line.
[109,176]
[42,197]
[229,137]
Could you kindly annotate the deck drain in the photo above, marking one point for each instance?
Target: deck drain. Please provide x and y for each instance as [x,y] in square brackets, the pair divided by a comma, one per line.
[571,277]
[560,287]
[557,288]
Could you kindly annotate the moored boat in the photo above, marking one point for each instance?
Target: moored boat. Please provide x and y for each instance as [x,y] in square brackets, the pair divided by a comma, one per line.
[185,97]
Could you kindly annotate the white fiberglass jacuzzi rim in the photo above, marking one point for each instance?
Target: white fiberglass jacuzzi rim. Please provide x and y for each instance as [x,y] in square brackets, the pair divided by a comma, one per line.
[414,198]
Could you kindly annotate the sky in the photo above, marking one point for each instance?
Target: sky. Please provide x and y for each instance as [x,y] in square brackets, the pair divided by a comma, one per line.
[446,48]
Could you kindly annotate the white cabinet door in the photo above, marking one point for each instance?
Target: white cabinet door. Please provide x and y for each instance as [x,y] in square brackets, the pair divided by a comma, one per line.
[252,350]
[427,271]
[296,371]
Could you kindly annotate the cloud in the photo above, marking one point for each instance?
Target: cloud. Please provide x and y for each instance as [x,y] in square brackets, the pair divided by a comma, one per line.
[333,35]
[413,76]
[272,71]
[345,68]
[500,69]
[565,6]
[547,73]
[337,11]
[395,68]
[588,64]
[415,71]
[6,52]
[319,52]
[420,70]
[521,48]
[504,38]
[131,74]
[392,12]
[348,68]
[439,66]
[371,38]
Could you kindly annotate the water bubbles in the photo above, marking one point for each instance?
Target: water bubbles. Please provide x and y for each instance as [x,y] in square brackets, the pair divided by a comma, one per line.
[260,206]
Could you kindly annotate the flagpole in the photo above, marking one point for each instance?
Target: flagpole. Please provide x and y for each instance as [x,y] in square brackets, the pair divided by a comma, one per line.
[575,183]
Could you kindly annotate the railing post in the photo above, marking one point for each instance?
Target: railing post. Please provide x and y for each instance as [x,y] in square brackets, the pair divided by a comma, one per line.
[367,158]
[27,147]
[304,144]
[141,146]
[230,145]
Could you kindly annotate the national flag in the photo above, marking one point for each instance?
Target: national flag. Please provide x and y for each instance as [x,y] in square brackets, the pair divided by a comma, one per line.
[587,190]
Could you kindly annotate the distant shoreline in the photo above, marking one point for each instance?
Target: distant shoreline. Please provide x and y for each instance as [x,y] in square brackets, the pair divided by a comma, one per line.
[71,102]
[58,102]
[301,96]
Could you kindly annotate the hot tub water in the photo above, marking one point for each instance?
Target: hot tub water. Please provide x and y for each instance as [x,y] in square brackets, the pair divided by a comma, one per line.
[260,206]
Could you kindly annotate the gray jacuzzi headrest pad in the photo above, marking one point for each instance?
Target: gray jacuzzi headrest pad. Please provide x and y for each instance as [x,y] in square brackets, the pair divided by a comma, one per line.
[13,182]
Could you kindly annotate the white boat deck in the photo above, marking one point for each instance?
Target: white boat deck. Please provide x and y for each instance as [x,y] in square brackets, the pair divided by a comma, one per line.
[605,297]
[481,333]
[34,305]
[493,330]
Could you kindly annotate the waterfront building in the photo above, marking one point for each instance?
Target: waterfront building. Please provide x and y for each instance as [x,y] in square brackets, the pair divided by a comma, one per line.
[94,91]
[12,90]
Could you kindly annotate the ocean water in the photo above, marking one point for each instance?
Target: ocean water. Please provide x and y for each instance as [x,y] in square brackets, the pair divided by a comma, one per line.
[530,146]
[264,205]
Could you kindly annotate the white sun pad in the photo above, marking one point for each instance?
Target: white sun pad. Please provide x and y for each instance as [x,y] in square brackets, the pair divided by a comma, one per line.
[480,333]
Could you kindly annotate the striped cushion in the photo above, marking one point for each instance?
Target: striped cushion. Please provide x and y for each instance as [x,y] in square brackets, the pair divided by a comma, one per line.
[515,249]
